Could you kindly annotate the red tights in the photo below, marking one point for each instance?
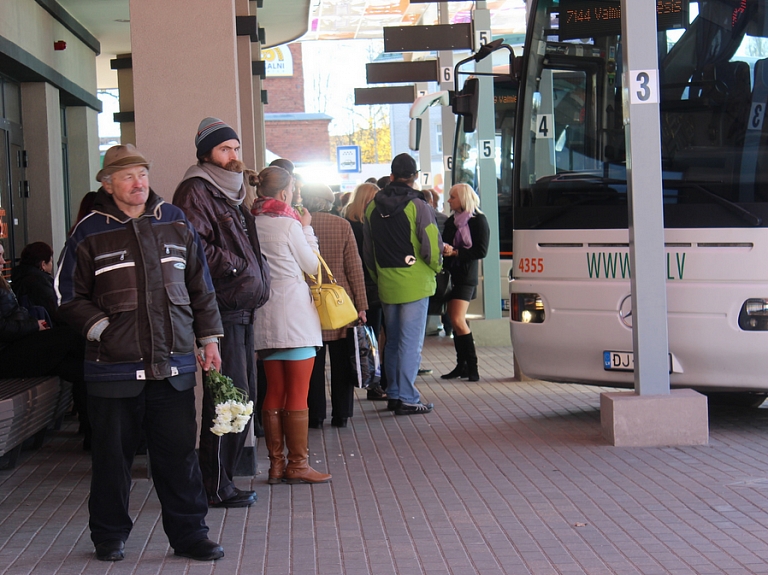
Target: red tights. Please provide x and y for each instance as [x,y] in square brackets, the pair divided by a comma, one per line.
[287,384]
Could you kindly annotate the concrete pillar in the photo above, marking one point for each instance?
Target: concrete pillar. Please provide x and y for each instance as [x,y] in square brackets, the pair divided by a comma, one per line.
[41,116]
[247,131]
[185,68]
[189,64]
[83,148]
[125,87]
[258,116]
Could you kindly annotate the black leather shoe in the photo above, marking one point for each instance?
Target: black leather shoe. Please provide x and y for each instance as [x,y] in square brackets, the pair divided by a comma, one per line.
[111,550]
[393,404]
[203,550]
[245,493]
[239,499]
[376,394]
[315,423]
[338,422]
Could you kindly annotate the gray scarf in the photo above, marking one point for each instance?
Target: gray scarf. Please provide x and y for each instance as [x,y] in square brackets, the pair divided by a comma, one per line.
[230,184]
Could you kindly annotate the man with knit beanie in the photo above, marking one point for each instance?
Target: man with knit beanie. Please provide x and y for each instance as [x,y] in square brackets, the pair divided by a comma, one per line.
[211,195]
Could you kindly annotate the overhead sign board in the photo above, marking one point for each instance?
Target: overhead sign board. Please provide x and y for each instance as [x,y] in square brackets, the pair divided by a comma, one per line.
[385,95]
[428,38]
[392,72]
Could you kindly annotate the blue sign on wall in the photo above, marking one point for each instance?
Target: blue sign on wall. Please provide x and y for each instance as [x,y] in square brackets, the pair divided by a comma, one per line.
[348,159]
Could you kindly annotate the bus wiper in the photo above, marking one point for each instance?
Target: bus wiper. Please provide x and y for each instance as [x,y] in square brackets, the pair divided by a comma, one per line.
[573,177]
[732,207]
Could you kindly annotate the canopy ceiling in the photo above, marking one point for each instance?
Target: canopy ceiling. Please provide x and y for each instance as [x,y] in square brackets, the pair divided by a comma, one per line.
[290,20]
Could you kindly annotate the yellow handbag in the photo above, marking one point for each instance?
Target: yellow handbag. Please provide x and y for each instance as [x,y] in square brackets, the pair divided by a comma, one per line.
[334,306]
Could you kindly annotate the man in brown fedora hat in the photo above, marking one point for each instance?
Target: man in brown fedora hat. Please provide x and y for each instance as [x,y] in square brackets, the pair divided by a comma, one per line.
[134,280]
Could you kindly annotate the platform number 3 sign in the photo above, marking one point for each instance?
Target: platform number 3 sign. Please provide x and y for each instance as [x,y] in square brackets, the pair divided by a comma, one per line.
[644,88]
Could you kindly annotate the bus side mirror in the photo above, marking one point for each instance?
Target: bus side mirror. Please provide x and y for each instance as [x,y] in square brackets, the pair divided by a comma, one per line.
[465,103]
[414,134]
[517,67]
[419,106]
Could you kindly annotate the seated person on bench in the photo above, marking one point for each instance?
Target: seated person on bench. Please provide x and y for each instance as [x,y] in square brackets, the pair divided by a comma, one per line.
[30,347]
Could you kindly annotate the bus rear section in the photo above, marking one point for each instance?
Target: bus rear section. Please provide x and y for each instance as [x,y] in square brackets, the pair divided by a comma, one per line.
[571,316]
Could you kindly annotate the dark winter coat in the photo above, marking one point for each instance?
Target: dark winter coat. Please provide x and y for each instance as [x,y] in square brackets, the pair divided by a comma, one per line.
[36,286]
[463,267]
[371,289]
[239,271]
[147,276]
[15,322]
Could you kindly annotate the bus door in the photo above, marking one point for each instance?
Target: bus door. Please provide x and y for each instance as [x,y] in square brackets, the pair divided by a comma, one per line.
[13,185]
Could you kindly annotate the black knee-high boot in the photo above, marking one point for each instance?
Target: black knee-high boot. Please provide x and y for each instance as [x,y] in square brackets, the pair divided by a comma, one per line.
[471,357]
[461,357]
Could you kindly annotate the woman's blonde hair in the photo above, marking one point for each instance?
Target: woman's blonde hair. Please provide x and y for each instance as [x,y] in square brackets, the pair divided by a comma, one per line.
[469,200]
[363,194]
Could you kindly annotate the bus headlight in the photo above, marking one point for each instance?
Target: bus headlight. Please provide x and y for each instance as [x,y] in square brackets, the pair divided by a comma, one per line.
[754,315]
[527,308]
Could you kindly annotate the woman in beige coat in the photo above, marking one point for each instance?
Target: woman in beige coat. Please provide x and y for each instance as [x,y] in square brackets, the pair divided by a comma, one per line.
[339,250]
[287,327]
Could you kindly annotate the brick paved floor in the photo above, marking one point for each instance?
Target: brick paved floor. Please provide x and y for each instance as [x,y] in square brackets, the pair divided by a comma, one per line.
[503,478]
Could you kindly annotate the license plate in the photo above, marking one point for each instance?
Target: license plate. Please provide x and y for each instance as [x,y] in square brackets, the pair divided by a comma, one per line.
[623,361]
[618,361]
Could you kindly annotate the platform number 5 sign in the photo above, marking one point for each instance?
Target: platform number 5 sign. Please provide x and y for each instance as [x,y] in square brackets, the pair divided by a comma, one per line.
[487,149]
[482,37]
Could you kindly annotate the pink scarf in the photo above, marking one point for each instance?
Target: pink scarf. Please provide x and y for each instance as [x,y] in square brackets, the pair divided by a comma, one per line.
[463,238]
[273,208]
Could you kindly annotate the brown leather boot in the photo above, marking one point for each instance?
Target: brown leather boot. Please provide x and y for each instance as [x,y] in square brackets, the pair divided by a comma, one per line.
[296,429]
[272,421]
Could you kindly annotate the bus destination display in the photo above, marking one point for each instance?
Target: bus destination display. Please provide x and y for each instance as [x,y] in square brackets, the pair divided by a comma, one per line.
[596,18]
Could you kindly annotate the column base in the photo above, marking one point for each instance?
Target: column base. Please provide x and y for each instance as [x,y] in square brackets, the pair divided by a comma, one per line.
[631,420]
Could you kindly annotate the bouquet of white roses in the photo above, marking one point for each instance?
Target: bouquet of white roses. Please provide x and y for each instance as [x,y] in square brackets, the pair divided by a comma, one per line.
[232,410]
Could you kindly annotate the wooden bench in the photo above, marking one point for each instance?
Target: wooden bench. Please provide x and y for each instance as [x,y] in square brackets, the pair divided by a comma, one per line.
[29,406]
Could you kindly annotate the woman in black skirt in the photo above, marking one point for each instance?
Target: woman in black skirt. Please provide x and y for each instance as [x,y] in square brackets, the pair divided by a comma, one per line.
[466,242]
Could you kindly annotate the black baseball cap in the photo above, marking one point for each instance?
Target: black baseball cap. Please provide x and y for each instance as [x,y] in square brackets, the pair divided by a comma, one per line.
[404,166]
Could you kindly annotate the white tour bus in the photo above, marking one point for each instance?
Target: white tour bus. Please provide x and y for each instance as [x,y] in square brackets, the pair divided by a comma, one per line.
[571,317]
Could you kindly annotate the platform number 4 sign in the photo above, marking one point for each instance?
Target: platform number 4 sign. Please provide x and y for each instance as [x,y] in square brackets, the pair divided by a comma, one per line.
[545,126]
[487,149]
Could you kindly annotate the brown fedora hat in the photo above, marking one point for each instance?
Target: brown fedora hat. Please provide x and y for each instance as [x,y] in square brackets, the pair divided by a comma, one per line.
[120,157]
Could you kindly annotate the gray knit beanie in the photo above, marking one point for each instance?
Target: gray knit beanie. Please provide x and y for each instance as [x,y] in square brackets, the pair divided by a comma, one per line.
[210,133]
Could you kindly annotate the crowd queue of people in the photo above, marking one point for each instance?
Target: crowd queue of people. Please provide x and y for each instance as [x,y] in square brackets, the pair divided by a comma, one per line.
[145,291]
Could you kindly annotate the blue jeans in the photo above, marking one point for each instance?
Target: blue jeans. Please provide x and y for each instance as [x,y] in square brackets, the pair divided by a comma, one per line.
[402,353]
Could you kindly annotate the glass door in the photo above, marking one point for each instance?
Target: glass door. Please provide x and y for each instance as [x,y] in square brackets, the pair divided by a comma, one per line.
[13,192]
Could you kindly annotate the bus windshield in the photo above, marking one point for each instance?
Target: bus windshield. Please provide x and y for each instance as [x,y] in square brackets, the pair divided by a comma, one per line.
[570,145]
